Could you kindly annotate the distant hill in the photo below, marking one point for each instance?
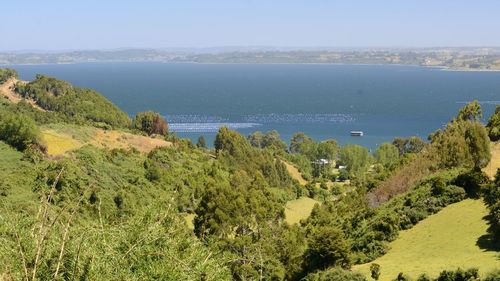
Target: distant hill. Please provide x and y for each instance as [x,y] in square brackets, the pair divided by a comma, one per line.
[470,58]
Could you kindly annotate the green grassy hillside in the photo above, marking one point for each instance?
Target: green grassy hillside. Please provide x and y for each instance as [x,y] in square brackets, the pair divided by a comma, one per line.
[454,237]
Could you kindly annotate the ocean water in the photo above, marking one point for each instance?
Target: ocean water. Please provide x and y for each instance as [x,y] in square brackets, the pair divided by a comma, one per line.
[324,101]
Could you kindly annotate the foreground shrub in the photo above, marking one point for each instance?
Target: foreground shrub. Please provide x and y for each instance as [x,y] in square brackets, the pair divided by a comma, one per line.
[335,274]
[19,131]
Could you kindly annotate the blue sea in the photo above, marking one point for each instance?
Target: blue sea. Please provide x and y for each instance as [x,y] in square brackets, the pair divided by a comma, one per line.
[323,100]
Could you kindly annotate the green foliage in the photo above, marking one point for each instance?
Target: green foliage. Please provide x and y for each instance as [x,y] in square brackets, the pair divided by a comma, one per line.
[270,140]
[238,209]
[492,199]
[387,154]
[471,112]
[77,104]
[6,74]
[201,143]
[459,275]
[19,131]
[461,144]
[151,123]
[409,145]
[335,274]
[356,158]
[493,126]
[375,271]
[327,247]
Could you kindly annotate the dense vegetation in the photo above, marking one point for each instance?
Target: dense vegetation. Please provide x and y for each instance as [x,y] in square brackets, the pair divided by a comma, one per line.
[81,105]
[494,125]
[100,214]
[6,74]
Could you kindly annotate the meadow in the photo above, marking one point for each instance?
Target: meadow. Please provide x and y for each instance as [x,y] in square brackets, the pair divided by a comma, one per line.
[455,237]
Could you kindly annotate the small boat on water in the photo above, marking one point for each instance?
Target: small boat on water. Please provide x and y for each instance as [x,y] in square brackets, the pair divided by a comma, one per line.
[357,133]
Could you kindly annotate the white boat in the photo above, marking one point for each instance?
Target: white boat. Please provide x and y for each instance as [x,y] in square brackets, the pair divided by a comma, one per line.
[357,133]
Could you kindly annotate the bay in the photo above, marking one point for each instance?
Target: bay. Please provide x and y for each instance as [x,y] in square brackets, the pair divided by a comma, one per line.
[323,100]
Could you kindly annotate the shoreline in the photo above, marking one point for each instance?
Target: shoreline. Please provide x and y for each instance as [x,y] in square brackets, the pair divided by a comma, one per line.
[442,68]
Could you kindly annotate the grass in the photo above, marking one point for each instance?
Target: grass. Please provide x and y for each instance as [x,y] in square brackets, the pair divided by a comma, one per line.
[59,143]
[454,237]
[294,173]
[16,184]
[298,209]
[494,164]
[61,138]
[189,218]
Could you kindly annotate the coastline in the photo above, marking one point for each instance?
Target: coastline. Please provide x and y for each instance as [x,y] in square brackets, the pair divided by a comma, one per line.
[442,68]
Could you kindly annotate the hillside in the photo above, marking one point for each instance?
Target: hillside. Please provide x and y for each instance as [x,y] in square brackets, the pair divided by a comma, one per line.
[62,138]
[86,195]
[454,237]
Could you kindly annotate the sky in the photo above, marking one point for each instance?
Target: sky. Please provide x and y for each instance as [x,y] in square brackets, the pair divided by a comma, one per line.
[108,24]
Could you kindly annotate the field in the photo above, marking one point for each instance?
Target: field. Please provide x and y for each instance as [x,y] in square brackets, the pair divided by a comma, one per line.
[494,164]
[454,237]
[63,138]
[298,209]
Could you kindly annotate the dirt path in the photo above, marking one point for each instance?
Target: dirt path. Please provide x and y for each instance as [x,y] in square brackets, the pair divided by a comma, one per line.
[494,164]
[7,90]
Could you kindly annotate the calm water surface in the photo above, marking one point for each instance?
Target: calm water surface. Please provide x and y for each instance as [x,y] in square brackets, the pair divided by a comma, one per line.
[324,101]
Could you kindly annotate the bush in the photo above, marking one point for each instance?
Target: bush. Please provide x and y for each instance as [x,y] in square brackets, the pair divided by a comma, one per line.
[493,126]
[151,123]
[335,274]
[19,131]
[328,247]
[6,74]
[472,182]
[78,105]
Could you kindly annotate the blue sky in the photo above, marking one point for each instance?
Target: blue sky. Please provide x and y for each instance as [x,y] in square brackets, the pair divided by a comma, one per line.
[96,24]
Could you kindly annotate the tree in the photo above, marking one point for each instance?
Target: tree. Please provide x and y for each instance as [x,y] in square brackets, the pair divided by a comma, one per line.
[375,271]
[356,158]
[151,123]
[256,139]
[479,144]
[273,140]
[493,126]
[298,139]
[387,154]
[327,247]
[201,142]
[328,149]
[408,145]
[471,112]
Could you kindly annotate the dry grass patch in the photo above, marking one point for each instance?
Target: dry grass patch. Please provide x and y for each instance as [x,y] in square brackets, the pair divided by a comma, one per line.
[58,144]
[62,138]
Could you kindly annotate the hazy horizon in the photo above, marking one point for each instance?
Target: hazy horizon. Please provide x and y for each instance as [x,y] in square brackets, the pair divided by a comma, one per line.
[193,24]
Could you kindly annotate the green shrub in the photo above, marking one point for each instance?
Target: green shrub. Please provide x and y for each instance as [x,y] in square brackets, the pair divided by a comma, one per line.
[19,131]
[335,274]
[151,123]
[493,126]
[6,74]
[78,105]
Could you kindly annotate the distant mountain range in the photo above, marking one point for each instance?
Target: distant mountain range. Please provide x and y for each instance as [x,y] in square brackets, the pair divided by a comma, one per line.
[465,58]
